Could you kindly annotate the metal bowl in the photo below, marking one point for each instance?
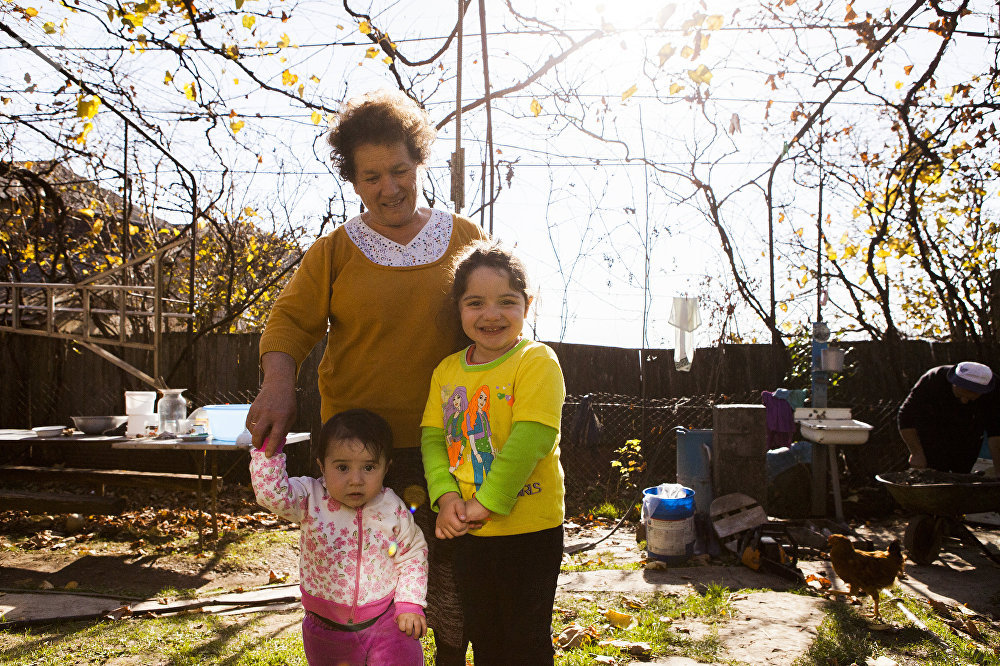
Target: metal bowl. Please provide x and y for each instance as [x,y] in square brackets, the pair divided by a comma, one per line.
[97,425]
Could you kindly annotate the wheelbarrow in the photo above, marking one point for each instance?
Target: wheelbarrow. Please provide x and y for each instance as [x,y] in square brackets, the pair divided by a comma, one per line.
[940,501]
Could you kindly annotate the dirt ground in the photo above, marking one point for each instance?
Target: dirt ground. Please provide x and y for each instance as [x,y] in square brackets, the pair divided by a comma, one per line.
[130,560]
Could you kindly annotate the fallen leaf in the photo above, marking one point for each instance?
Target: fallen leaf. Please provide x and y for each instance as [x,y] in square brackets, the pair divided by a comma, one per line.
[72,585]
[620,620]
[46,585]
[273,577]
[575,635]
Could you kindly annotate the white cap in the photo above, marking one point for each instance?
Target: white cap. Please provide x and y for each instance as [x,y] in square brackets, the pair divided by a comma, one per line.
[972,376]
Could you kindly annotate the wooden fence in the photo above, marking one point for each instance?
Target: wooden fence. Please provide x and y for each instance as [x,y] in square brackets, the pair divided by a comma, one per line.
[46,381]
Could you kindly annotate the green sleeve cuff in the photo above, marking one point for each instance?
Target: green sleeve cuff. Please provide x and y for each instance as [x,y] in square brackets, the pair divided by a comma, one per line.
[528,443]
[435,457]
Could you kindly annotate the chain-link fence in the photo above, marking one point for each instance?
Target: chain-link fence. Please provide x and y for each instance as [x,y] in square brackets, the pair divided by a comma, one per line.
[601,467]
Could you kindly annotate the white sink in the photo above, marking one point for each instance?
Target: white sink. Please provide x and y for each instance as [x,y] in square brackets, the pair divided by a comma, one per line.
[835,431]
[831,425]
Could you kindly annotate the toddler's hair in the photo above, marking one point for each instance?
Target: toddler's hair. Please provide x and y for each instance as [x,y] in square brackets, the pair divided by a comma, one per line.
[492,255]
[361,424]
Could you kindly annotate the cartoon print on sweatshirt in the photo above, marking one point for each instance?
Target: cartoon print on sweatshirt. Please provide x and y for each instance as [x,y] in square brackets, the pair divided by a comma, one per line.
[454,410]
[476,428]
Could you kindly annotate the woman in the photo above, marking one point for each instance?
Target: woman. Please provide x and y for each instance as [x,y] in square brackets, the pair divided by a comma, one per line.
[376,286]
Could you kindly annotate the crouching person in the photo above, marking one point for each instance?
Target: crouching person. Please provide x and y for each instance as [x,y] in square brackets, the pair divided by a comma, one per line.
[363,561]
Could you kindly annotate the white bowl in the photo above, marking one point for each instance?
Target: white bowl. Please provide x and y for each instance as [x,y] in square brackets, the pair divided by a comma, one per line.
[49,431]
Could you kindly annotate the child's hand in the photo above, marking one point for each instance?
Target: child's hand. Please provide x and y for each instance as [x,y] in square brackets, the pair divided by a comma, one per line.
[413,625]
[476,514]
[451,521]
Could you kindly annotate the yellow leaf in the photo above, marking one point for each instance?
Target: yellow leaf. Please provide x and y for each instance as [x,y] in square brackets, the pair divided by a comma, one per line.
[284,41]
[133,229]
[666,51]
[784,307]
[675,88]
[713,22]
[301,89]
[82,136]
[233,51]
[631,91]
[131,49]
[167,78]
[908,69]
[700,75]
[248,21]
[87,108]
[189,92]
[899,84]
[704,41]
[49,27]
[365,28]
[236,125]
[316,117]
[799,232]
[371,52]
[687,52]
[89,212]
[288,79]
[239,4]
[881,268]
[535,107]
[249,212]
[181,38]
[620,620]
[314,78]
[30,12]
[387,60]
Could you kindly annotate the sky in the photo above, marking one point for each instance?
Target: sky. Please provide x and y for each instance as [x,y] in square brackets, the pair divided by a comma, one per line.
[590,221]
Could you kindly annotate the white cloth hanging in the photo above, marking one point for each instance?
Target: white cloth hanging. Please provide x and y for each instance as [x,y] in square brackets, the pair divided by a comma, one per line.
[685,318]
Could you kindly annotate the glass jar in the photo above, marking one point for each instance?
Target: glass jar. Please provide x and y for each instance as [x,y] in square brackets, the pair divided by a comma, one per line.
[172,410]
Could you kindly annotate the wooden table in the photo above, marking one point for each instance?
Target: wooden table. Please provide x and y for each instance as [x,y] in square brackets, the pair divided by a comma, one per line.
[209,447]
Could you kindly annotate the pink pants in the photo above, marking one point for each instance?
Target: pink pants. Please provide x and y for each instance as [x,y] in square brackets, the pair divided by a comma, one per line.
[381,643]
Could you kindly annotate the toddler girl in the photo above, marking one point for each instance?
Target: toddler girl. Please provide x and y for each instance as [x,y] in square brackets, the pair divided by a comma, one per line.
[502,499]
[363,561]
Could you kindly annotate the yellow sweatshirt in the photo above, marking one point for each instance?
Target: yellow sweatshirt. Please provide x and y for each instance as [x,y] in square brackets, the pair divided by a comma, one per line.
[388,327]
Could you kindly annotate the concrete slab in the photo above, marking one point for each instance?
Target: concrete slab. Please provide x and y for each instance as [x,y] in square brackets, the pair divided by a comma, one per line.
[676,579]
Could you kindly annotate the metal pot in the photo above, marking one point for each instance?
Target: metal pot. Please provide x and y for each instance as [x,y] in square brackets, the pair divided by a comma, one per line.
[97,425]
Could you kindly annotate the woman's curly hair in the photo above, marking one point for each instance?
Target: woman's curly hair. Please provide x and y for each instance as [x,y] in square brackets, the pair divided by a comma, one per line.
[380,117]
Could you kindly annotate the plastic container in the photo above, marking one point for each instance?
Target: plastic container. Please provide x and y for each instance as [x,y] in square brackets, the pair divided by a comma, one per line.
[139,402]
[226,422]
[172,410]
[670,532]
[694,465]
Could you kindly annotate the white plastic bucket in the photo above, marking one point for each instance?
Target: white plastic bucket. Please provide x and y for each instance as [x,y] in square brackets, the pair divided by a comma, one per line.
[139,402]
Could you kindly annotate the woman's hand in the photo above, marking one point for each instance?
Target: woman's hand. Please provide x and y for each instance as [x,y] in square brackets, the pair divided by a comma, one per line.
[451,521]
[413,625]
[476,515]
[273,411]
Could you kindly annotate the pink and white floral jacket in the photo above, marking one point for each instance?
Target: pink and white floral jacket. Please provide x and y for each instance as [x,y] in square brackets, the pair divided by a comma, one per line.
[348,568]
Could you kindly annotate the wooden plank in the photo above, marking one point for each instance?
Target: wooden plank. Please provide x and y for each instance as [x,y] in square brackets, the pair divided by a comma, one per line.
[111,477]
[60,503]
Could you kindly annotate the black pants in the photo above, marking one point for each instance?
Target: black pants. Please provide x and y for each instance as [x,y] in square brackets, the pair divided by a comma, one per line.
[444,608]
[508,585]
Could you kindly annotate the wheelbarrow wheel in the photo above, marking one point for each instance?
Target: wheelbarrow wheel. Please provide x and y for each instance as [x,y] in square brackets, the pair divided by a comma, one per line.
[923,538]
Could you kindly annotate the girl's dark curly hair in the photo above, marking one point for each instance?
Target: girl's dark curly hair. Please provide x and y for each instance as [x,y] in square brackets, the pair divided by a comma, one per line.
[381,118]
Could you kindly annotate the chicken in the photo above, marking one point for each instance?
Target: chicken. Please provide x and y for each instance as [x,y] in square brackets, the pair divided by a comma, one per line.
[866,572]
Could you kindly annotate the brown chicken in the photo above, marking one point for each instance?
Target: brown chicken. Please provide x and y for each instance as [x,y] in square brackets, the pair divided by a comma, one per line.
[866,572]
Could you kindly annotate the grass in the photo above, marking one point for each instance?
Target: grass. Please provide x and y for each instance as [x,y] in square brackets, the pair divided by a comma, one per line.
[652,624]
[845,637]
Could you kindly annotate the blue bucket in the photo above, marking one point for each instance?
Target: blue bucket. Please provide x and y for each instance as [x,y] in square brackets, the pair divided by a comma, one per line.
[669,526]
